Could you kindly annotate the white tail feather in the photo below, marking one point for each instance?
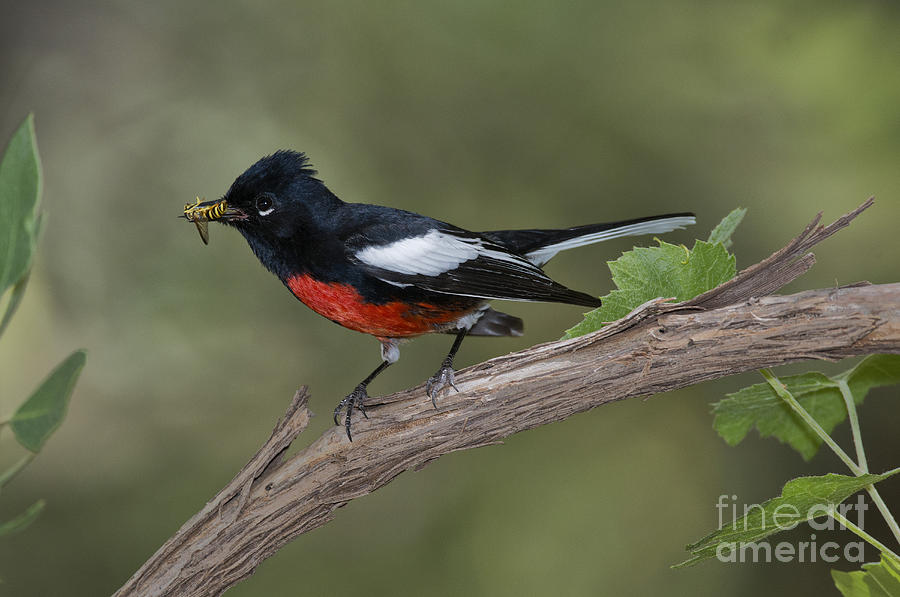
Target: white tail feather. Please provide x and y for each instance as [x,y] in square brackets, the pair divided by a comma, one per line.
[541,256]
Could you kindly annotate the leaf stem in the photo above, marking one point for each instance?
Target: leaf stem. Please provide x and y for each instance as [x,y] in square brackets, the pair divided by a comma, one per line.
[15,469]
[857,470]
[864,535]
[15,297]
[861,456]
[882,507]
[785,395]
[854,424]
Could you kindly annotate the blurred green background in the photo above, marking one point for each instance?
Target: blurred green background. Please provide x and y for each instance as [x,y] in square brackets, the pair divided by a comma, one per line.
[488,114]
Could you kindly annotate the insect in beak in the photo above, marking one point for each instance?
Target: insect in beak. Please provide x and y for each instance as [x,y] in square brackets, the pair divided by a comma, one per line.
[202,212]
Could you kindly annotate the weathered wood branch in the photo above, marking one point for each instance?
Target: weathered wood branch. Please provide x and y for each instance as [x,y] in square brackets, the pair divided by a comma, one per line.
[657,348]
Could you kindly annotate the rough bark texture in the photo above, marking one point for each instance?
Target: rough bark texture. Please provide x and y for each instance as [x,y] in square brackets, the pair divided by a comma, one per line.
[658,347]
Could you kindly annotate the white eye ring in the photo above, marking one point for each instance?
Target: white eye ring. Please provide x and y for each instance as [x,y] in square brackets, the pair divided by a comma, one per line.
[265,204]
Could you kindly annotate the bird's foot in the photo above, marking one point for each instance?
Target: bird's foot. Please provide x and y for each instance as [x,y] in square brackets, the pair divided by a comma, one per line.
[440,380]
[354,399]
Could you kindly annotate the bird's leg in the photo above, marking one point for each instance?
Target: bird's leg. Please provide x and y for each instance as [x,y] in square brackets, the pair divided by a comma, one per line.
[356,398]
[444,375]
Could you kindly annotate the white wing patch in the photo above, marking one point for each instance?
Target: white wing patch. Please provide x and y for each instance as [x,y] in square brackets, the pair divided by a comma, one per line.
[432,254]
[544,254]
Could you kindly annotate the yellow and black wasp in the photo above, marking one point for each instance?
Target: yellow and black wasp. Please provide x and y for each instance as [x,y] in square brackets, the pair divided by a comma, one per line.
[201,215]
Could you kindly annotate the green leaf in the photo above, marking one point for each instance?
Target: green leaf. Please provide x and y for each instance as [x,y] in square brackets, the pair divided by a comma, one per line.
[759,405]
[801,499]
[41,414]
[22,520]
[876,579]
[667,271]
[723,231]
[883,576]
[872,372]
[20,190]
[851,584]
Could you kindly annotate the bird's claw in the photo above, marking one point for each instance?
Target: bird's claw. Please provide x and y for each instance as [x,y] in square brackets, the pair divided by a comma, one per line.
[354,399]
[440,380]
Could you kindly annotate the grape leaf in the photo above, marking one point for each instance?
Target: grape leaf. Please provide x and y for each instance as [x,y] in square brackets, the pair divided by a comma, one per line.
[876,579]
[851,584]
[872,372]
[667,271]
[820,395]
[801,499]
[722,232]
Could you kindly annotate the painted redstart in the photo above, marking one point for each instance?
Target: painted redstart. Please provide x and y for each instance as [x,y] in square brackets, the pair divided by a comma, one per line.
[396,274]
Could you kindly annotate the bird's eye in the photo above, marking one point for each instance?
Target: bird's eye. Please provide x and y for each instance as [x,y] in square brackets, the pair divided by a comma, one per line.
[264,205]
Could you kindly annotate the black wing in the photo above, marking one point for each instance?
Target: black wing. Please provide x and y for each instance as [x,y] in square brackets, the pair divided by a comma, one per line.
[448,260]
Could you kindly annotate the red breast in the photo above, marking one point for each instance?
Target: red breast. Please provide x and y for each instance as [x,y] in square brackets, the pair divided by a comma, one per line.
[342,304]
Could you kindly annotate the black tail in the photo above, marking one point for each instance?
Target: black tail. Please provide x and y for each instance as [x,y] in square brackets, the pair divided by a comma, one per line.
[539,246]
[495,323]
